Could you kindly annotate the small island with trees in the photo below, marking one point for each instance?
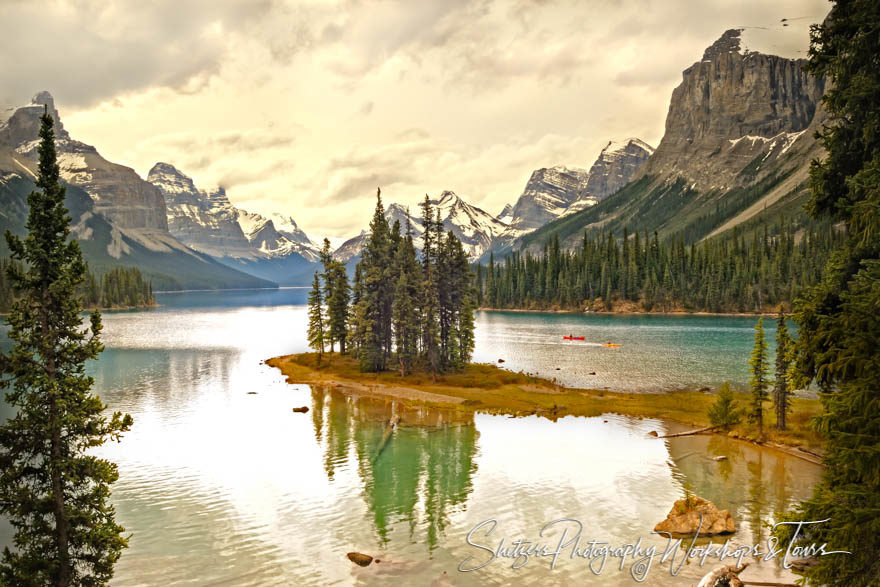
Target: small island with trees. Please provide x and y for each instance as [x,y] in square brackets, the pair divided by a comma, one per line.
[405,330]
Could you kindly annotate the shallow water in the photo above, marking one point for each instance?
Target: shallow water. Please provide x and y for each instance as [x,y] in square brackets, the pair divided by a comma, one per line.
[221,486]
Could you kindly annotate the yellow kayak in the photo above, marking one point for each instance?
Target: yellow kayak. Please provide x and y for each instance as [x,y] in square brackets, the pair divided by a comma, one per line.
[610,344]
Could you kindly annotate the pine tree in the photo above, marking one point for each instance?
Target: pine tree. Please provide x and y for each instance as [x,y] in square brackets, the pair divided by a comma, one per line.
[430,298]
[337,304]
[781,390]
[760,370]
[317,329]
[378,293]
[53,491]
[724,411]
[839,325]
[404,309]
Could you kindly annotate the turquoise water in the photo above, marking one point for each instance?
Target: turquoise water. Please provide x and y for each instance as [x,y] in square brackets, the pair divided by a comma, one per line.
[222,484]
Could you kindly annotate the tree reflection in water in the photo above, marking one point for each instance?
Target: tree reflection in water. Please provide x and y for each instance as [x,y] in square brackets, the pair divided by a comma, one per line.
[415,473]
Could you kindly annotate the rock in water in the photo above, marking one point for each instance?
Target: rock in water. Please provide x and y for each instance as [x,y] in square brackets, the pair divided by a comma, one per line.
[685,518]
[360,559]
[727,576]
[301,410]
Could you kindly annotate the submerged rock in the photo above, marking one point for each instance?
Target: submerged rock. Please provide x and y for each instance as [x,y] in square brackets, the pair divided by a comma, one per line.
[685,518]
[301,410]
[726,576]
[360,559]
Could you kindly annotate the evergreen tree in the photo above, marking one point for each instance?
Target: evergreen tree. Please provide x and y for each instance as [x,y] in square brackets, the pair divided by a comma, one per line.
[724,411]
[430,297]
[839,324]
[404,309]
[760,370]
[781,388]
[378,294]
[317,330]
[53,491]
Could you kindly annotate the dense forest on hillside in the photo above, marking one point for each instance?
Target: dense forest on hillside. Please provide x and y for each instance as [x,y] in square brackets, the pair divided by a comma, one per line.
[118,288]
[607,272]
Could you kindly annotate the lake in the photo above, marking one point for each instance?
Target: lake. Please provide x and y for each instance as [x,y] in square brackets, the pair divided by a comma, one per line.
[222,486]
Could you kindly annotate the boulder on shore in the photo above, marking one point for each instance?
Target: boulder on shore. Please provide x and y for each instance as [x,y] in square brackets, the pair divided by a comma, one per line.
[360,559]
[685,518]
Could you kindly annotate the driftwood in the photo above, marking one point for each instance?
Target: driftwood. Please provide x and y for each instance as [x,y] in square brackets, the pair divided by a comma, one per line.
[690,432]
[389,430]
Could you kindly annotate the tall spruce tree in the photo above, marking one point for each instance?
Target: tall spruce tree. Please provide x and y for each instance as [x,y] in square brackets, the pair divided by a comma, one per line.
[781,387]
[760,369]
[839,323]
[317,331]
[405,306]
[52,490]
[430,295]
[378,293]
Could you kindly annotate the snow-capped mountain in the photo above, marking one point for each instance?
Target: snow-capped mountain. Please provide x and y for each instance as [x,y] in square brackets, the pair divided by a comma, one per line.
[208,222]
[506,214]
[554,192]
[473,226]
[118,218]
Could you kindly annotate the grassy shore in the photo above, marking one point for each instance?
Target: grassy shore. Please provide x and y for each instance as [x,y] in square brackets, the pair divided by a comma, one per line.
[488,388]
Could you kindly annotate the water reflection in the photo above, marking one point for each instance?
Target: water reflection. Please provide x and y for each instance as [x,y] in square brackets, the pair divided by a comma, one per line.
[416,464]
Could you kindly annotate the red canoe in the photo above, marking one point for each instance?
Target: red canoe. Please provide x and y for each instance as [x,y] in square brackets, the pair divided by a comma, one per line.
[573,338]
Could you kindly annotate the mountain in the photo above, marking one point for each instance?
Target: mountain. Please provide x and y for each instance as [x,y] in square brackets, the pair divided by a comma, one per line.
[556,192]
[118,218]
[475,228]
[736,150]
[208,222]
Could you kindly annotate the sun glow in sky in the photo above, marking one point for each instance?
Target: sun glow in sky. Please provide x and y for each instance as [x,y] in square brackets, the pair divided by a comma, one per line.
[306,107]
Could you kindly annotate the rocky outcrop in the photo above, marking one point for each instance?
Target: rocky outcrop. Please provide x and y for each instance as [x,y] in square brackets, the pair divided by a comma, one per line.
[554,192]
[547,195]
[205,221]
[120,195]
[615,167]
[694,514]
[738,143]
[208,222]
[731,106]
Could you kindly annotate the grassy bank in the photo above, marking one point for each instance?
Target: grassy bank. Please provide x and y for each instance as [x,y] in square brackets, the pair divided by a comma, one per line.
[487,388]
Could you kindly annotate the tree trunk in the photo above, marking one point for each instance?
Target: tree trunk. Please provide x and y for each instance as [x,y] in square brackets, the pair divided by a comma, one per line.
[58,511]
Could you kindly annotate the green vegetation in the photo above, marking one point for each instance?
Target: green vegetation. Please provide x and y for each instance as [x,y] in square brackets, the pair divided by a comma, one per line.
[839,323]
[724,412]
[53,490]
[315,334]
[337,294]
[730,274]
[420,314]
[781,386]
[487,388]
[118,288]
[758,384]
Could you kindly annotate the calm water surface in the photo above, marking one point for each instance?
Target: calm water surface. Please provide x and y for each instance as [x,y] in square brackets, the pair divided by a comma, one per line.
[219,486]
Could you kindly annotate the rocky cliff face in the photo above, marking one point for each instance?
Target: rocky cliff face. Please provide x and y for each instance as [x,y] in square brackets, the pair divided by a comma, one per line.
[738,142]
[208,222]
[614,168]
[731,106]
[557,192]
[205,221]
[120,195]
[547,195]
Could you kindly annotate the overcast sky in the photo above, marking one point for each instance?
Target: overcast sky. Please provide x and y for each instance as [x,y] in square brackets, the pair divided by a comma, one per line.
[305,108]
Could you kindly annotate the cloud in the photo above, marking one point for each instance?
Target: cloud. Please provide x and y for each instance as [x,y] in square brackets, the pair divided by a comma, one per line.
[305,107]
